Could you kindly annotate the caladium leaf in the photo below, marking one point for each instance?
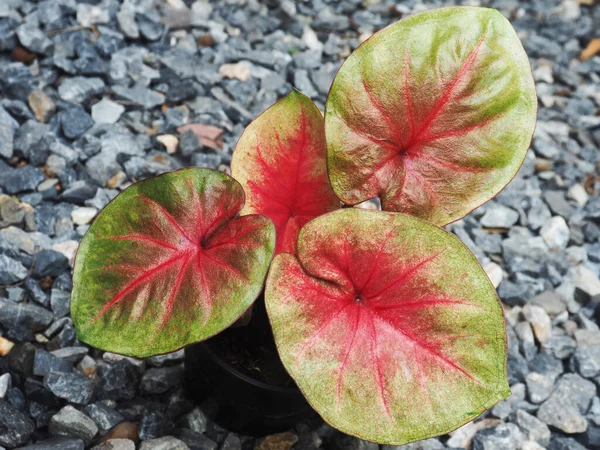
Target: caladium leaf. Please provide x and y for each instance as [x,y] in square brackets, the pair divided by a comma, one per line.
[280,160]
[433,114]
[168,263]
[397,333]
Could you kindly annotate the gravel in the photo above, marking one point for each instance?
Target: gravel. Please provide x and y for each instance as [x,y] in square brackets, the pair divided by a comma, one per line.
[94,95]
[71,422]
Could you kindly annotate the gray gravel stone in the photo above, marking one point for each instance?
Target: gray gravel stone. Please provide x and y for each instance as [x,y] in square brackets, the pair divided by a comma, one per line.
[103,416]
[565,409]
[71,422]
[71,354]
[505,436]
[60,302]
[49,263]
[587,355]
[504,408]
[585,280]
[164,443]
[556,233]
[72,387]
[11,271]
[127,23]
[195,420]
[119,381]
[75,121]
[44,363]
[537,430]
[23,179]
[15,427]
[160,380]
[552,303]
[498,216]
[33,39]
[80,89]
[32,317]
[6,141]
[57,443]
[140,96]
[107,112]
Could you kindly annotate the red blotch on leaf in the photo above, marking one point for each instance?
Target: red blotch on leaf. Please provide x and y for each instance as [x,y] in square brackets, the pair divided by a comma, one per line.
[280,160]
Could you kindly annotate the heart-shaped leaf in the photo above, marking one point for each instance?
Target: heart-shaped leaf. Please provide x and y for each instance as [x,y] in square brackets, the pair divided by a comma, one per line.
[280,160]
[396,331]
[167,263]
[433,114]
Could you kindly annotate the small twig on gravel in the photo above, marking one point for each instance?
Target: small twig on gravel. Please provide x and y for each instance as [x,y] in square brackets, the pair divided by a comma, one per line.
[592,179]
[75,28]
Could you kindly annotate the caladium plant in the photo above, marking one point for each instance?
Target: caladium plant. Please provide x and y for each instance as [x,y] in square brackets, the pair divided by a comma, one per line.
[386,322]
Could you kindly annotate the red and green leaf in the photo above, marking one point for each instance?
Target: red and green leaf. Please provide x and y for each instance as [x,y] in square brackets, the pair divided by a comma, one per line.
[397,333]
[433,114]
[168,263]
[280,160]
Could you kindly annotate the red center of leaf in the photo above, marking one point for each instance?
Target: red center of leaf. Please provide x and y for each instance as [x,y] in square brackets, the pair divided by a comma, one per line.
[406,139]
[374,311]
[359,299]
[195,248]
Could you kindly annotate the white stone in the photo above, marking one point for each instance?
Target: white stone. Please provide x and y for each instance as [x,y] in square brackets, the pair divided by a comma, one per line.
[127,23]
[539,320]
[494,272]
[556,233]
[88,15]
[239,71]
[164,443]
[543,73]
[107,112]
[531,445]
[83,215]
[585,280]
[201,11]
[113,358]
[311,39]
[67,248]
[577,192]
[169,141]
[499,216]
[5,384]
[463,436]
[568,10]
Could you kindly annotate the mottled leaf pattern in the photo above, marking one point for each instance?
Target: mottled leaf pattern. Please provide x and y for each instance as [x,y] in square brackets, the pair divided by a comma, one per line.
[433,114]
[280,160]
[167,263]
[389,326]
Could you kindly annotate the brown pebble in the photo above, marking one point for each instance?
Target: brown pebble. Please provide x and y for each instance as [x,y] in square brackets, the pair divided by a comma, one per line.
[542,165]
[206,40]
[21,55]
[46,283]
[125,430]
[42,106]
[281,441]
[5,346]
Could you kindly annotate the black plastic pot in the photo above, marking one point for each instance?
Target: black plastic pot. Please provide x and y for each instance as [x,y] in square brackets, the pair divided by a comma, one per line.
[244,404]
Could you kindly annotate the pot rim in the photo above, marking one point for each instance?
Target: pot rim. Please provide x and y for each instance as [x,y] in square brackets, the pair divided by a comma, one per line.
[261,384]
